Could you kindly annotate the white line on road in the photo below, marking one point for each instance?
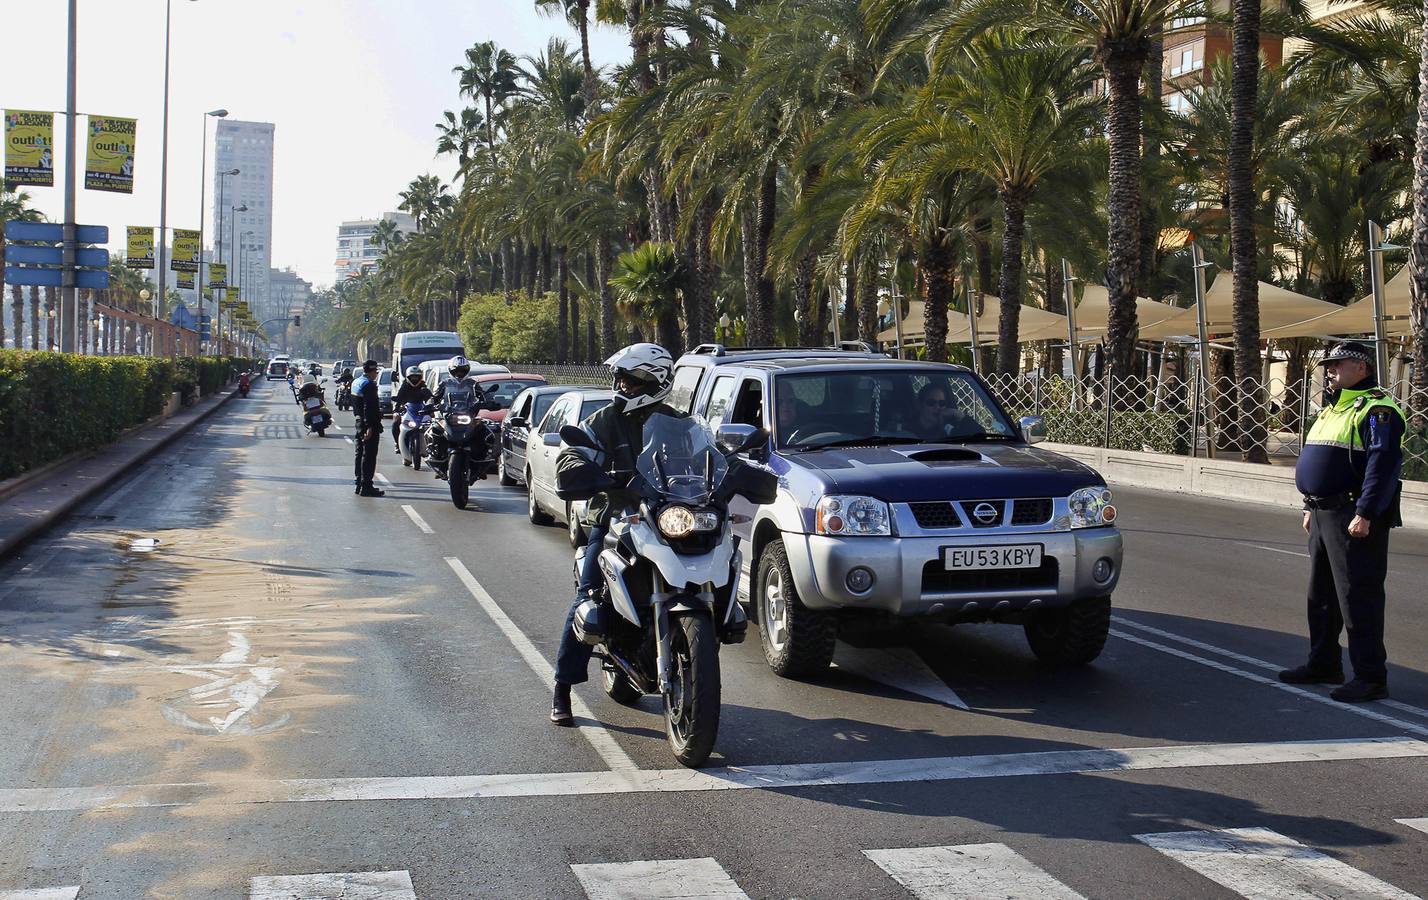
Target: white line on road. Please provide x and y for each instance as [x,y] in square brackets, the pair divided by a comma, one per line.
[1278,550]
[416,518]
[1355,709]
[658,879]
[382,478]
[57,893]
[1248,660]
[1258,862]
[347,439]
[969,872]
[1420,824]
[604,743]
[777,777]
[334,886]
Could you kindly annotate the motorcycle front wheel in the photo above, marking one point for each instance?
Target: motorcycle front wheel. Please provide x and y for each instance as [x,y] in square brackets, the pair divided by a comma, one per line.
[456,477]
[418,449]
[691,708]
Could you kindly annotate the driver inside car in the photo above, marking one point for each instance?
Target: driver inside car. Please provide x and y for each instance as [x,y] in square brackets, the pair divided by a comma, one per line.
[937,416]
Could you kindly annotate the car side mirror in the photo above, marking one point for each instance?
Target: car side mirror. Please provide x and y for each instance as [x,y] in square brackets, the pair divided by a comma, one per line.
[735,438]
[575,436]
[1033,429]
[516,421]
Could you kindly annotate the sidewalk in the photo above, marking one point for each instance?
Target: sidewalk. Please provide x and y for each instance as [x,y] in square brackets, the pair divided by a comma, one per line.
[36,505]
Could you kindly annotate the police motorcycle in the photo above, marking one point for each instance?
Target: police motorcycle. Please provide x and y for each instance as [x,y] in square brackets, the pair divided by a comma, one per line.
[316,417]
[459,442]
[411,437]
[670,568]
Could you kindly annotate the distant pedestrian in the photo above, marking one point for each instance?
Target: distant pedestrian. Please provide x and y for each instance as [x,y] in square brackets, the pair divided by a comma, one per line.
[369,429]
[1349,473]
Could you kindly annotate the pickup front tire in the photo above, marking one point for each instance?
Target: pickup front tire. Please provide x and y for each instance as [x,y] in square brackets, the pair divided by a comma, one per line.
[798,641]
[1072,635]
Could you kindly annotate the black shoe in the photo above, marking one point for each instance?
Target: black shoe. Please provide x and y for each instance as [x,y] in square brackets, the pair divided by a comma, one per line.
[560,706]
[1360,691]
[370,491]
[357,490]
[1311,675]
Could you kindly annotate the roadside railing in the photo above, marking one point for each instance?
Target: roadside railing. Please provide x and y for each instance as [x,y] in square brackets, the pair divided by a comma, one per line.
[565,374]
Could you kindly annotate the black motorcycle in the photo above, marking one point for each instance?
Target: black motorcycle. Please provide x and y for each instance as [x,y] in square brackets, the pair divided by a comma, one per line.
[459,441]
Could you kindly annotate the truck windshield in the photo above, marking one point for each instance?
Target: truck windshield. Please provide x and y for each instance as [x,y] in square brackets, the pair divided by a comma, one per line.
[823,409]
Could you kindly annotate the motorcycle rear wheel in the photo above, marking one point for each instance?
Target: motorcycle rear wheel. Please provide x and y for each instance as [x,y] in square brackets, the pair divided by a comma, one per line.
[456,477]
[691,708]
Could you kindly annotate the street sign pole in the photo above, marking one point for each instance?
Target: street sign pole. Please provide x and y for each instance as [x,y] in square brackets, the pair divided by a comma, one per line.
[162,296]
[1068,290]
[69,304]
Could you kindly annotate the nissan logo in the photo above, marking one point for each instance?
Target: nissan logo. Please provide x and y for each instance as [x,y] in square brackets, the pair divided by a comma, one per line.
[985,513]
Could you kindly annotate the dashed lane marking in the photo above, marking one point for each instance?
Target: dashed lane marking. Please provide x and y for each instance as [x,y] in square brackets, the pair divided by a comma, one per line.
[334,886]
[1279,550]
[1420,824]
[382,478]
[1252,661]
[775,777]
[417,519]
[969,872]
[55,893]
[658,879]
[604,743]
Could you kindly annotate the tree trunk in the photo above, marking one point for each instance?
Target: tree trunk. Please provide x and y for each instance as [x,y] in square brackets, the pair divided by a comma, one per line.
[34,318]
[747,241]
[1055,302]
[868,299]
[1009,322]
[693,294]
[1244,250]
[1123,205]
[591,85]
[704,269]
[605,259]
[532,256]
[17,315]
[562,320]
[544,271]
[761,331]
[576,357]
[1154,80]
[518,263]
[667,327]
[1418,249]
[803,302]
[937,266]
[591,355]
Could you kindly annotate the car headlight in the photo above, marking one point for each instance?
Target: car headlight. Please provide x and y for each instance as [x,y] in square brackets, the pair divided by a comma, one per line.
[845,514]
[1091,507]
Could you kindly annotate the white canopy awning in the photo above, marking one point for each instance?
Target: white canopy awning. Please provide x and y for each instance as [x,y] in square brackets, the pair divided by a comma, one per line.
[1357,317]
[1035,324]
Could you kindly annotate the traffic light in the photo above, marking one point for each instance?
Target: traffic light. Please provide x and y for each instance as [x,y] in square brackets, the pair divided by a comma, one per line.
[297,321]
[366,317]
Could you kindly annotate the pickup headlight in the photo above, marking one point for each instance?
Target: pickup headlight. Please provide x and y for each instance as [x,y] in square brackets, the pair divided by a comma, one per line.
[848,514]
[1091,507]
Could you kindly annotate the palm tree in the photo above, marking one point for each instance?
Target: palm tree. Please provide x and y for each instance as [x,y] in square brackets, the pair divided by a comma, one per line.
[490,73]
[13,208]
[425,198]
[647,283]
[459,134]
[1418,249]
[1243,246]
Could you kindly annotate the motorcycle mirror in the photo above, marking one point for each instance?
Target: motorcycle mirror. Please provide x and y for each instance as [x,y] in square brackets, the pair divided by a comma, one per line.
[733,438]
[575,436]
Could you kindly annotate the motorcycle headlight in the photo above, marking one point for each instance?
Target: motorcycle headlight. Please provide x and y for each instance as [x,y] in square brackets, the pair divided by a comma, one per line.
[845,514]
[1091,507]
[681,521]
[461,419]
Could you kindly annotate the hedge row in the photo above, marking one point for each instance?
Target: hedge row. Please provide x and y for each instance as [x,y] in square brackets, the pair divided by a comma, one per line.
[55,404]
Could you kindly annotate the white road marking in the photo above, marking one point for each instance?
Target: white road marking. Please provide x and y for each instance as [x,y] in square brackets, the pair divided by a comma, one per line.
[899,668]
[1420,824]
[1279,550]
[334,886]
[1257,862]
[232,695]
[382,478]
[417,519]
[969,872]
[1251,661]
[347,439]
[604,743]
[637,781]
[658,879]
[56,893]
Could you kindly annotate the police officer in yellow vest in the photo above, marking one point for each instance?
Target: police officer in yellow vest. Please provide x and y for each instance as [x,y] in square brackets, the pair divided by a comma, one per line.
[1349,473]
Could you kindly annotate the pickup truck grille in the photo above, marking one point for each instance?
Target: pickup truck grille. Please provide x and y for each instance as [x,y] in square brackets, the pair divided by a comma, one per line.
[935,514]
[1031,511]
[937,579]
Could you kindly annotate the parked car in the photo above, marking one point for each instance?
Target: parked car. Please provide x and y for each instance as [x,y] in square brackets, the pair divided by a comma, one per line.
[502,387]
[529,407]
[907,494]
[384,390]
[277,369]
[542,447]
[435,371]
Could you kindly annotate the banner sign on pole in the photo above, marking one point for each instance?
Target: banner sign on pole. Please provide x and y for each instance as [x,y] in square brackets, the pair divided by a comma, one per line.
[185,281]
[110,163]
[217,276]
[29,147]
[186,251]
[140,249]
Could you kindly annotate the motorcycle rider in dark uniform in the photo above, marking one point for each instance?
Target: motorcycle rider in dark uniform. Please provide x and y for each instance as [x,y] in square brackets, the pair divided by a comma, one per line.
[643,375]
[458,388]
[1348,472]
[369,429]
[413,390]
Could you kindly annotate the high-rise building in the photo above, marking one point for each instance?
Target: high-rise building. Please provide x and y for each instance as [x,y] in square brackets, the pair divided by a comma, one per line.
[356,251]
[244,240]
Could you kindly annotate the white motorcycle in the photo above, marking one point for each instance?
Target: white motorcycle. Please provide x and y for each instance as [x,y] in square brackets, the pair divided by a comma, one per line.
[670,570]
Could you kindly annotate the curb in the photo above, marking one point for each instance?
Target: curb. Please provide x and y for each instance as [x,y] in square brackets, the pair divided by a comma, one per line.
[13,543]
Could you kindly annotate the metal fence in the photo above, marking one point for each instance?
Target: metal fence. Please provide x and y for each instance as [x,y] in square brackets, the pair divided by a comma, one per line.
[556,374]
[1192,416]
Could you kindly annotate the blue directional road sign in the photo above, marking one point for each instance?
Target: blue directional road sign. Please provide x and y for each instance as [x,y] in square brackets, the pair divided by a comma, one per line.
[91,279]
[84,257]
[53,233]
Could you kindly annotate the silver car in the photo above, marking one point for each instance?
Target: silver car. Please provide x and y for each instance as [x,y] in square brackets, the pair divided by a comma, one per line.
[543,446]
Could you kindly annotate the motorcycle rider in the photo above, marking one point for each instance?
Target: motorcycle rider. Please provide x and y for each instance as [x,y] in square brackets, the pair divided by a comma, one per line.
[643,375]
[413,390]
[459,387]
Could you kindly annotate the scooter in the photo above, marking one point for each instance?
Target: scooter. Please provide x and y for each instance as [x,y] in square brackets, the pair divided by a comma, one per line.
[315,416]
[243,385]
[411,436]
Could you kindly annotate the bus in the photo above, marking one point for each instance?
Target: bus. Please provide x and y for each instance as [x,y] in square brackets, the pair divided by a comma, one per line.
[412,348]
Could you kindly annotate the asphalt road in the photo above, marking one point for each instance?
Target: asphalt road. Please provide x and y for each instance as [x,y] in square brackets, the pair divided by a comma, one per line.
[229,672]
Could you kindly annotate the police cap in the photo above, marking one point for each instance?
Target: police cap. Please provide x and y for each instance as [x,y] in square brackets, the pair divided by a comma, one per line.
[371,365]
[1348,350]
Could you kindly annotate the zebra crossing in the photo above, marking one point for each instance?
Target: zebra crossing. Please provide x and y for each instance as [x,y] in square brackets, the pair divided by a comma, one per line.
[1250,862]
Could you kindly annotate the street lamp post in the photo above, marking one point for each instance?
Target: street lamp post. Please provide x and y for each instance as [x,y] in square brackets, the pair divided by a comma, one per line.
[218,251]
[202,193]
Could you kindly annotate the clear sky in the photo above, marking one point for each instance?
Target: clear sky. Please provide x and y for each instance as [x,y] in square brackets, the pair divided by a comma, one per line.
[355,88]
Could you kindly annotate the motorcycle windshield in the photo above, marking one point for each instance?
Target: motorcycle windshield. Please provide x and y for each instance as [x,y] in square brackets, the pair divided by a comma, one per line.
[680,459]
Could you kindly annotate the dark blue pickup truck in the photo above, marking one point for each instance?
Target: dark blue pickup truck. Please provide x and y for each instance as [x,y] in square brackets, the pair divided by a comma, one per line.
[906,493]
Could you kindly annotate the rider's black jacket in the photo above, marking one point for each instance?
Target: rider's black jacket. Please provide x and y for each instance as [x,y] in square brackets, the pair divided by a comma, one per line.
[411,393]
[621,437]
[465,385]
